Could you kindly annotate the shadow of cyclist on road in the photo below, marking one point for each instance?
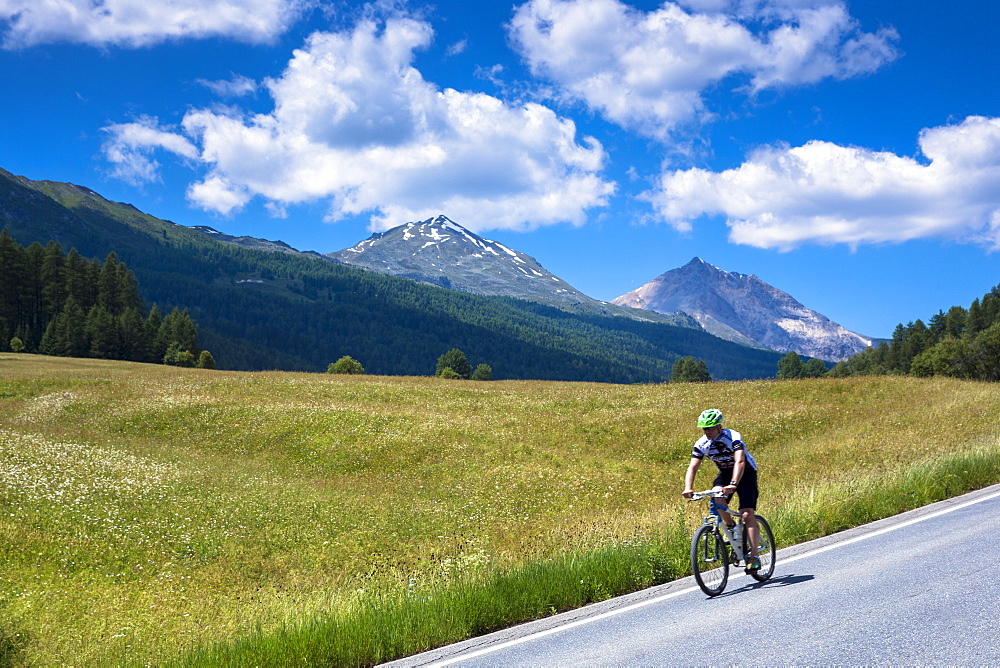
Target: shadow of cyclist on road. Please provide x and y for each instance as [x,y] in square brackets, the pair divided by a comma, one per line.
[780,581]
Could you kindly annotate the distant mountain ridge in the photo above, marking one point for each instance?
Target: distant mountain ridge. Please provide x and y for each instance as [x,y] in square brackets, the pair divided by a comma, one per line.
[441,252]
[263,305]
[252,242]
[745,309]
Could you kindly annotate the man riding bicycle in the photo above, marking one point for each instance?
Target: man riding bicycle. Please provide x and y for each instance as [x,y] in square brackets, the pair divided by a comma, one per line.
[737,473]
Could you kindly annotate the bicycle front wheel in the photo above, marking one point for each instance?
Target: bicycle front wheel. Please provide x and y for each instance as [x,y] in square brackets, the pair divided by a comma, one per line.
[709,560]
[765,549]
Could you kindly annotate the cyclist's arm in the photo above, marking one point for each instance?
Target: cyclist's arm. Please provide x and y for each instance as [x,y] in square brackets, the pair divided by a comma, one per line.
[739,463]
[689,477]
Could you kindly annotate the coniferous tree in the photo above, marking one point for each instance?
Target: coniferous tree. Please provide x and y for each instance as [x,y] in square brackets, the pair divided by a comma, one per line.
[954,322]
[151,329]
[74,339]
[47,346]
[991,305]
[118,290]
[80,280]
[957,343]
[178,327]
[64,305]
[134,345]
[108,285]
[13,269]
[104,333]
[33,315]
[66,334]
[975,321]
[53,279]
[936,326]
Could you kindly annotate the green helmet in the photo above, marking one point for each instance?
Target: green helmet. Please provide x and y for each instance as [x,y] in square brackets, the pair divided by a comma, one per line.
[710,418]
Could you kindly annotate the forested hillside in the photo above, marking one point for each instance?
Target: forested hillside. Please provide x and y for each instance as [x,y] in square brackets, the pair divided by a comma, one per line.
[260,309]
[56,303]
[961,343]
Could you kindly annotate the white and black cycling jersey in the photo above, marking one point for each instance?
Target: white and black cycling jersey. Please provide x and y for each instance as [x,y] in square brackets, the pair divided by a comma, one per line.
[722,450]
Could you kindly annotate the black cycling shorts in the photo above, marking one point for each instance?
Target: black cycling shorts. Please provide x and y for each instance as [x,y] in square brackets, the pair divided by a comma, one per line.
[746,490]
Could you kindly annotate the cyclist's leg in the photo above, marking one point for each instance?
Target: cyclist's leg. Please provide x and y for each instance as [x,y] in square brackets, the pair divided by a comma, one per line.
[767,552]
[753,529]
[747,493]
[721,480]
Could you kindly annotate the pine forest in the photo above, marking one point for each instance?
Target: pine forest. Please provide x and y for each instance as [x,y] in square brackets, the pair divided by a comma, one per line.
[58,303]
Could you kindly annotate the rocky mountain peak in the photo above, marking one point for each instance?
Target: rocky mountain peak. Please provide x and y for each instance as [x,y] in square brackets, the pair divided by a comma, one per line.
[442,252]
[430,237]
[743,308]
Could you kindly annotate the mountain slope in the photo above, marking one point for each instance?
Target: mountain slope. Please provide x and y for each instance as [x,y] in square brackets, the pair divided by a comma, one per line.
[441,252]
[745,309]
[270,307]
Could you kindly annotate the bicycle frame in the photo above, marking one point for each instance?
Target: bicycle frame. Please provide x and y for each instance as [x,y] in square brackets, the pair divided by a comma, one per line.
[710,556]
[715,520]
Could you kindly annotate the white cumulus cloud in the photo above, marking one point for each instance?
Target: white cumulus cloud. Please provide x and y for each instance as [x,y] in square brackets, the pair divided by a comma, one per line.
[130,149]
[782,197]
[649,71]
[355,123]
[134,23]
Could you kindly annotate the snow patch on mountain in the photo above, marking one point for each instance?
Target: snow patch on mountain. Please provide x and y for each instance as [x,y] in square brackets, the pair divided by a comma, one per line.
[743,308]
[442,252]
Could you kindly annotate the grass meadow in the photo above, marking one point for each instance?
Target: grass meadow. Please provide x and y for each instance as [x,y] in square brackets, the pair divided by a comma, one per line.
[156,515]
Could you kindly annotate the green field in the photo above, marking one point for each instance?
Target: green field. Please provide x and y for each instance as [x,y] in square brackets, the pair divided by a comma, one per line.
[154,515]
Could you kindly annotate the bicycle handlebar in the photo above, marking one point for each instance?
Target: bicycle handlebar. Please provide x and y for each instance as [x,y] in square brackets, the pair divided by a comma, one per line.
[708,493]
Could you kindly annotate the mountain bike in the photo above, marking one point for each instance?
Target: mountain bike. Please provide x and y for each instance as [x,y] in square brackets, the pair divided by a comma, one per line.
[715,546]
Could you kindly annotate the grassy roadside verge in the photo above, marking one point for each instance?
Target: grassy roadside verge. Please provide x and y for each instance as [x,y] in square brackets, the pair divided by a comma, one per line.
[385,628]
[164,516]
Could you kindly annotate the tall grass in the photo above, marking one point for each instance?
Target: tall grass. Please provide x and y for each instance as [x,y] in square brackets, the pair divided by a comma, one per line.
[383,627]
[165,516]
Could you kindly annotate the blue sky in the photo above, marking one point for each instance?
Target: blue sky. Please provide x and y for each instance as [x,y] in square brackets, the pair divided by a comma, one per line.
[847,153]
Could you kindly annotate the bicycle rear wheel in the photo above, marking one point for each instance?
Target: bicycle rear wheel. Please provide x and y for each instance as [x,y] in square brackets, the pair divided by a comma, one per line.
[709,560]
[765,550]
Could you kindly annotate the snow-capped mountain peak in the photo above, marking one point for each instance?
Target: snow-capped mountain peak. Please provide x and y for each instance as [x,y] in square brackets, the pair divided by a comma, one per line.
[742,307]
[442,252]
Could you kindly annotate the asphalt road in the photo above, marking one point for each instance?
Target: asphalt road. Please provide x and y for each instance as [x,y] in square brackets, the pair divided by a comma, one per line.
[921,588]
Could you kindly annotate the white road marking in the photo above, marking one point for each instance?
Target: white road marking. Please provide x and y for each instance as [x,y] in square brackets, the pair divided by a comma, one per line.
[642,604]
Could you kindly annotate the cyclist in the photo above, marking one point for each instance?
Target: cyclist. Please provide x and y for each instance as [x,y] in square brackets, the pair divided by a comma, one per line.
[737,473]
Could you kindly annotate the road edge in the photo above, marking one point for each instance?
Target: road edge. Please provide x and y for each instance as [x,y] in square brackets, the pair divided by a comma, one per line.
[547,624]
